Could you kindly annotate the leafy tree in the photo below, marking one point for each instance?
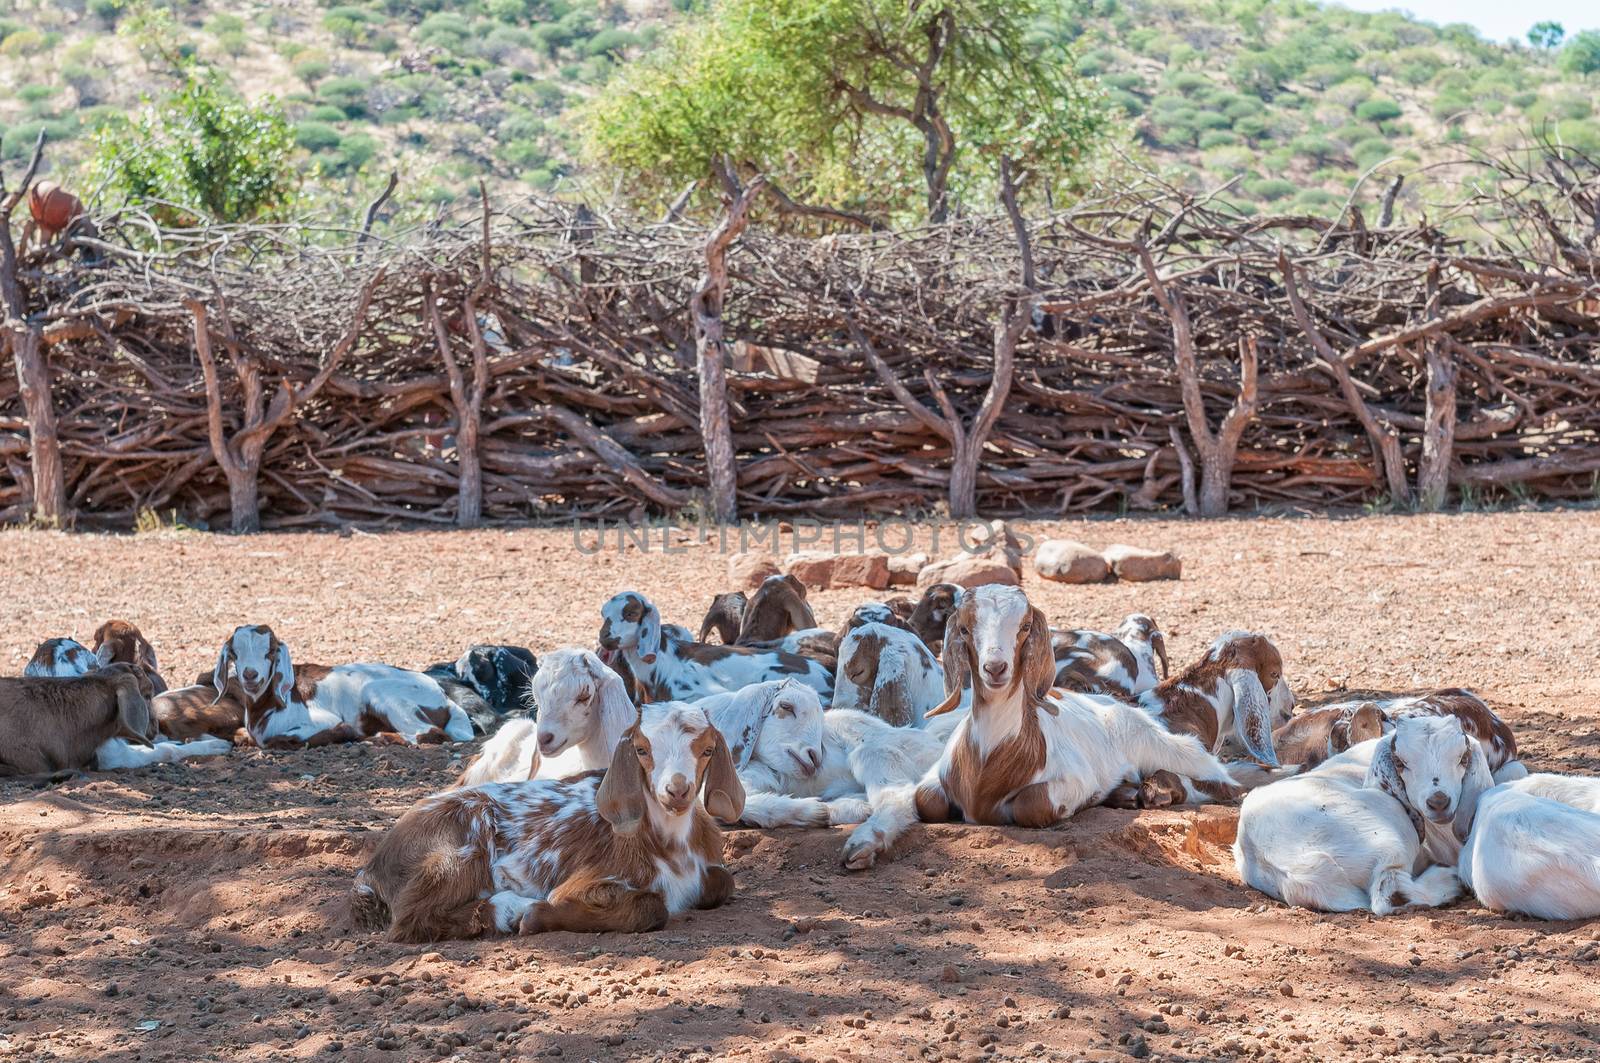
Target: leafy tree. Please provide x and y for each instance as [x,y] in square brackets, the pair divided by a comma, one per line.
[1378,109]
[1546,34]
[849,103]
[202,148]
[1582,53]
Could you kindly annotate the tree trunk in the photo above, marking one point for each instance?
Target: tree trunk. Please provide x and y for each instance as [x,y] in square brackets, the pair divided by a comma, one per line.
[244,498]
[33,382]
[469,477]
[1216,476]
[709,343]
[1439,427]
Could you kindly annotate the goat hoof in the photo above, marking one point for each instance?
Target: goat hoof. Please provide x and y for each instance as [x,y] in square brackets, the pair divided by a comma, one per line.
[283,742]
[1125,796]
[858,856]
[432,737]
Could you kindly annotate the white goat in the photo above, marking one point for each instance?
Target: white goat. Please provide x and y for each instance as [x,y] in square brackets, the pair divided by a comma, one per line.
[64,658]
[289,707]
[803,767]
[1535,848]
[583,711]
[670,668]
[1027,755]
[1362,829]
[887,671]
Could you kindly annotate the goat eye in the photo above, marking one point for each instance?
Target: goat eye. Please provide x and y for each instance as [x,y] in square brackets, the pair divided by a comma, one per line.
[641,751]
[1399,765]
[705,752]
[1466,758]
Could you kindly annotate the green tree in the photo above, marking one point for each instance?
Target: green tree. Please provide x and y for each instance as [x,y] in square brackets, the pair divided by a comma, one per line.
[203,149]
[1582,53]
[850,103]
[1546,34]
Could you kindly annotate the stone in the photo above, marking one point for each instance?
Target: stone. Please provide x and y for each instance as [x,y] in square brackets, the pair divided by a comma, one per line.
[823,570]
[1138,565]
[746,571]
[1066,561]
[967,571]
[903,568]
[998,543]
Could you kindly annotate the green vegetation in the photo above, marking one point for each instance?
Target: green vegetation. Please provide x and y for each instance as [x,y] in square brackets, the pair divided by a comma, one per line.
[520,90]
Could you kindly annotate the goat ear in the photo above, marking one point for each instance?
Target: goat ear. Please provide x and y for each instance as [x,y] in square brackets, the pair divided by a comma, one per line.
[147,656]
[1477,780]
[282,675]
[133,711]
[956,658]
[621,797]
[1158,642]
[1383,775]
[649,633]
[103,653]
[1252,715]
[219,675]
[1366,722]
[1037,669]
[722,792]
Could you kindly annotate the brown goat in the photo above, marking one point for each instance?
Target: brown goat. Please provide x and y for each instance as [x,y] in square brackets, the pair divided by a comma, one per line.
[53,725]
[928,618]
[777,608]
[724,617]
[120,642]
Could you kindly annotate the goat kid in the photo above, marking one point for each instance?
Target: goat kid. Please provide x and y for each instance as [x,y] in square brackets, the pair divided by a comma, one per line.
[1535,848]
[120,642]
[64,658]
[803,767]
[887,672]
[1479,720]
[1122,665]
[777,608]
[1236,690]
[669,668]
[583,711]
[1313,736]
[487,682]
[622,851]
[61,724]
[1377,827]
[1027,754]
[313,705]
[723,617]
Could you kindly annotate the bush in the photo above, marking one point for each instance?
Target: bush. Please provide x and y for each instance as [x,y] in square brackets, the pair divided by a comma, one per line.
[1370,151]
[1218,138]
[1126,102]
[25,41]
[1126,82]
[1270,189]
[1580,56]
[1251,126]
[507,10]
[355,151]
[445,29]
[233,43]
[18,141]
[316,136]
[312,70]
[36,94]
[348,93]
[1315,198]
[1378,109]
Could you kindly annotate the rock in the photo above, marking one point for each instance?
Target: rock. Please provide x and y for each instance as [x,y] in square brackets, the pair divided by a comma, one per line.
[998,543]
[823,570]
[1066,561]
[965,571]
[746,571]
[1139,565]
[1287,989]
[903,569]
[949,974]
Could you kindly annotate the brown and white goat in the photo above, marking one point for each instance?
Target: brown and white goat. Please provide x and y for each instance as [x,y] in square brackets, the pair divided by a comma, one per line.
[1313,736]
[1122,665]
[1476,716]
[1237,689]
[120,642]
[621,850]
[1026,754]
[931,613]
[289,706]
[58,724]
[777,608]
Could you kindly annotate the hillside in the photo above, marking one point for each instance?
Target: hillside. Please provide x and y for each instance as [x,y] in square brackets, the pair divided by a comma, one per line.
[1291,98]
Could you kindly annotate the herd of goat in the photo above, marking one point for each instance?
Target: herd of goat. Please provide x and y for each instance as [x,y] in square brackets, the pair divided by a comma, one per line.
[594,803]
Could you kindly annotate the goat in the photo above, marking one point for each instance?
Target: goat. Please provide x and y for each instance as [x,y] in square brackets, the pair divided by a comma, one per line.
[724,617]
[777,608]
[931,613]
[583,710]
[1317,734]
[618,851]
[803,767]
[1535,848]
[487,682]
[50,725]
[120,642]
[889,673]
[1479,720]
[1360,830]
[875,613]
[669,668]
[1237,688]
[313,705]
[1122,665]
[65,659]
[1027,754]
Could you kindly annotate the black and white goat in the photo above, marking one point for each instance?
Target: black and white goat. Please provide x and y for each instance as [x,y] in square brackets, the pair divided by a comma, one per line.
[488,682]
[887,672]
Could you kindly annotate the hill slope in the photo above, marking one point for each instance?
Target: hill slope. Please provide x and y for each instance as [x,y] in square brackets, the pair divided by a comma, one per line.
[1292,99]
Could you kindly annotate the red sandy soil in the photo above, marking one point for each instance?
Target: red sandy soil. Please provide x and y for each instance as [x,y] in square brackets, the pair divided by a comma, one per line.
[196,912]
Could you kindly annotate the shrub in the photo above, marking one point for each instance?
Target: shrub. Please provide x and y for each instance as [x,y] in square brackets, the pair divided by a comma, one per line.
[1270,189]
[36,94]
[1370,151]
[1580,56]
[1218,138]
[348,93]
[1378,109]
[1126,102]
[316,136]
[1127,82]
[507,10]
[26,41]
[1314,198]
[312,70]
[355,151]
[18,141]
[1251,126]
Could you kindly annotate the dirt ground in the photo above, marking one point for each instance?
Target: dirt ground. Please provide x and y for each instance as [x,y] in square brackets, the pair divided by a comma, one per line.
[196,912]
